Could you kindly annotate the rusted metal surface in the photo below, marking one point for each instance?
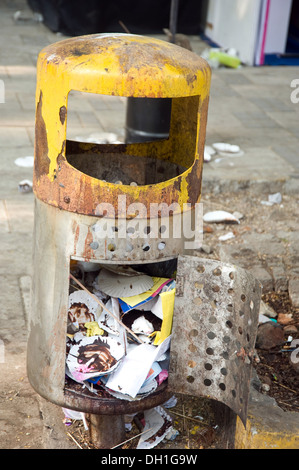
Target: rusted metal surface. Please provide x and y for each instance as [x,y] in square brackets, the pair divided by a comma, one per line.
[214,331]
[56,235]
[87,402]
[106,432]
[122,65]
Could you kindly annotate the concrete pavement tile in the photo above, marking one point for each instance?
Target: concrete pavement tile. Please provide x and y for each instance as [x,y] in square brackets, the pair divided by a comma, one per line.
[16,253]
[256,164]
[112,121]
[20,212]
[11,118]
[25,288]
[268,104]
[27,102]
[81,102]
[285,119]
[289,153]
[233,77]
[4,219]
[264,90]
[258,119]
[11,298]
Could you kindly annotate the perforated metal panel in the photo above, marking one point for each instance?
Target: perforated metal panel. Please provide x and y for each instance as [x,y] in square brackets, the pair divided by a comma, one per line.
[214,331]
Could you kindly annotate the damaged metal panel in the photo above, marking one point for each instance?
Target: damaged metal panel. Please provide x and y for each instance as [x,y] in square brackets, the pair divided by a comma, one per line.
[214,331]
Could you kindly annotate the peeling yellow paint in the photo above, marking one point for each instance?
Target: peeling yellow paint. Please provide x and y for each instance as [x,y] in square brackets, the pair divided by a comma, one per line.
[121,65]
[258,436]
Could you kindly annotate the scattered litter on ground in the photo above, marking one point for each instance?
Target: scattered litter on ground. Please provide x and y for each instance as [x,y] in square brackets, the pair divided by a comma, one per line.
[158,424]
[25,186]
[71,415]
[220,150]
[226,148]
[27,17]
[227,236]
[278,365]
[220,57]
[266,310]
[275,198]
[208,153]
[220,217]
[26,162]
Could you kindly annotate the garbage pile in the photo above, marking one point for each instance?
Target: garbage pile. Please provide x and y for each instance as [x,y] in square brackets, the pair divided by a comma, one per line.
[118,330]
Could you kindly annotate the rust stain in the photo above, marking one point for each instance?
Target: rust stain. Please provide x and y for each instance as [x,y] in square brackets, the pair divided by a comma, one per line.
[42,164]
[77,233]
[62,114]
[74,226]
[88,251]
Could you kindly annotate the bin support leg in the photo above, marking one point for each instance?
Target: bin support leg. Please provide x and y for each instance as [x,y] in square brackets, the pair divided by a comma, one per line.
[106,431]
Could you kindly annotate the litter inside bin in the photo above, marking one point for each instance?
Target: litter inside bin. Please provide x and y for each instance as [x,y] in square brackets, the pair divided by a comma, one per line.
[118,343]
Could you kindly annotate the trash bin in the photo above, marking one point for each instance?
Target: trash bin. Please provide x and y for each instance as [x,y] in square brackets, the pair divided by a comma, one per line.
[108,204]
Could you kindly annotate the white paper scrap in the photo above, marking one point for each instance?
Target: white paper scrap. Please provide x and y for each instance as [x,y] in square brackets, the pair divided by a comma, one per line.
[155,419]
[134,368]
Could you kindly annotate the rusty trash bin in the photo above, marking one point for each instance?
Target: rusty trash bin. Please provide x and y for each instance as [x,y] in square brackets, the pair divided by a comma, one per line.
[81,212]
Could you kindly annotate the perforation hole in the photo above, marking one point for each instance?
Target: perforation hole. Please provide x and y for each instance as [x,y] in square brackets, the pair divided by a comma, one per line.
[208,366]
[161,246]
[197,301]
[211,335]
[111,247]
[146,247]
[215,288]
[229,324]
[222,386]
[207,382]
[243,297]
[240,330]
[192,348]
[223,371]
[190,379]
[201,268]
[210,351]
[191,364]
[217,272]
[130,231]
[193,333]
[234,393]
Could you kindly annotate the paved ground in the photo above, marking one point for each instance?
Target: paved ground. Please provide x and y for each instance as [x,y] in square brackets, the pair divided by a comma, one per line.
[250,107]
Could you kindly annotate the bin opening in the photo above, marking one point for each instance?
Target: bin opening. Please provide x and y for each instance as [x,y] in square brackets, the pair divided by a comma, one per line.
[146,140]
[109,329]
